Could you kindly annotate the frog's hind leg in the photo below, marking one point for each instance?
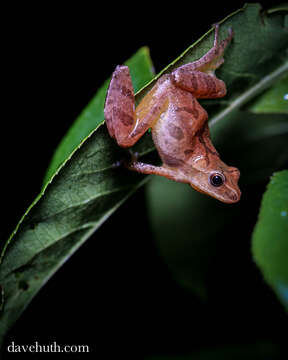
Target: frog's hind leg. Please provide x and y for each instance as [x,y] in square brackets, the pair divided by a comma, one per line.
[198,77]
[201,85]
[119,110]
[125,123]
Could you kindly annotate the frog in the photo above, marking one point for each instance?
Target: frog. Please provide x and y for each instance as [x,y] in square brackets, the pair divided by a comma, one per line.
[177,122]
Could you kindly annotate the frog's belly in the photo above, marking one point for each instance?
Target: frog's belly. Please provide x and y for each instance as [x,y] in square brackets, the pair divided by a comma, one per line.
[171,138]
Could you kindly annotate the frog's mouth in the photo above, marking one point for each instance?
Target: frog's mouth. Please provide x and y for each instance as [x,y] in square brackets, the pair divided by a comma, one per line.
[226,195]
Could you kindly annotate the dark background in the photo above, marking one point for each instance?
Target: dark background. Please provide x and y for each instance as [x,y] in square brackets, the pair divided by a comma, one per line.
[106,295]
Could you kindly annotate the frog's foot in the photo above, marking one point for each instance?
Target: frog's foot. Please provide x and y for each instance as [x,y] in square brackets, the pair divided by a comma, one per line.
[220,47]
[214,57]
[216,37]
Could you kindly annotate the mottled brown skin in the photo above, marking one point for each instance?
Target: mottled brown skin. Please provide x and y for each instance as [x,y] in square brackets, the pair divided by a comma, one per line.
[178,122]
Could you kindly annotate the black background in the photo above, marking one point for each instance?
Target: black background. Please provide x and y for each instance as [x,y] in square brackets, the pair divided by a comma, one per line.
[115,293]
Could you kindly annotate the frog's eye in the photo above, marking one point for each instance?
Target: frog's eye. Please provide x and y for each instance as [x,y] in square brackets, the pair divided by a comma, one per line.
[217,179]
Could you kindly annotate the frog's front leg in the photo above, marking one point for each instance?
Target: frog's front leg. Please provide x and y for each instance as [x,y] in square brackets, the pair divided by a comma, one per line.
[149,169]
[125,123]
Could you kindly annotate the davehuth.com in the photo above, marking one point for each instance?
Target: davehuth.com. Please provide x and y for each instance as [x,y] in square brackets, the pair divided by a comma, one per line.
[47,348]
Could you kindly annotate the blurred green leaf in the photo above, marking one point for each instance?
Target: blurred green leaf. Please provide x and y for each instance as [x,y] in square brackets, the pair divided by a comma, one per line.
[274,100]
[200,220]
[270,237]
[186,229]
[86,189]
[242,137]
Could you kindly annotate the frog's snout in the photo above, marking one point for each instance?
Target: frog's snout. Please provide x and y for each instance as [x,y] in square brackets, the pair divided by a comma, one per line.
[234,196]
[234,193]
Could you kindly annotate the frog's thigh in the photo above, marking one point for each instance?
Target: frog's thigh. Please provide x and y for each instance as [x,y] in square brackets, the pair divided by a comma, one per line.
[200,84]
[119,106]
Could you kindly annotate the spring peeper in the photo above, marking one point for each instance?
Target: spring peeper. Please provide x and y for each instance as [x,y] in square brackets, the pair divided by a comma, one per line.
[178,123]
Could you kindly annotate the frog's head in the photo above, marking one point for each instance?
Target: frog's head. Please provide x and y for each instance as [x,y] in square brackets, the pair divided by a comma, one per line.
[219,181]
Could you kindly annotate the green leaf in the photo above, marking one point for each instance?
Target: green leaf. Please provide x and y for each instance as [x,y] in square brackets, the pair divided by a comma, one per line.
[84,194]
[270,237]
[141,69]
[86,189]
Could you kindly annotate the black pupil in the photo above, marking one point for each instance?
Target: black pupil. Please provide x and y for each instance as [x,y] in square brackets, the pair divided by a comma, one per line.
[216,180]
